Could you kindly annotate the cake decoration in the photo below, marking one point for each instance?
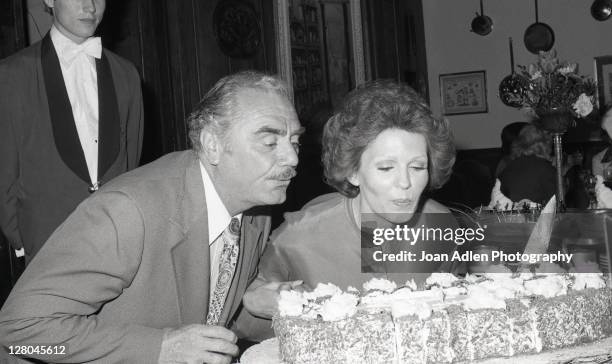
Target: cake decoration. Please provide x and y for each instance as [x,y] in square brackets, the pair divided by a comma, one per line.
[479,297]
[411,284]
[548,286]
[379,284]
[322,290]
[441,279]
[339,306]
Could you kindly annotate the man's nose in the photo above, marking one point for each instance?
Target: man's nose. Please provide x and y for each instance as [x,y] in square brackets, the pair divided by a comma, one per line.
[89,6]
[289,155]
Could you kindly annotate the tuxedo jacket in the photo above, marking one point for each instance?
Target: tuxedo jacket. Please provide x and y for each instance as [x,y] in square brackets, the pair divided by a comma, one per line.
[43,173]
[131,260]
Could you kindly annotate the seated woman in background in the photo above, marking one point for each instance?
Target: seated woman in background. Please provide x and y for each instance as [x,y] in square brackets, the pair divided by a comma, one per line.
[508,135]
[381,150]
[530,174]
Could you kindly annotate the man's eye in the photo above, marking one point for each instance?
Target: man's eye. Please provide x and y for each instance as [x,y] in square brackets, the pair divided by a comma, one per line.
[296,145]
[270,142]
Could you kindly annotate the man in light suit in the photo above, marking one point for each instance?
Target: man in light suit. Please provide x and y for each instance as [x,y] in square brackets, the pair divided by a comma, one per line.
[70,120]
[145,270]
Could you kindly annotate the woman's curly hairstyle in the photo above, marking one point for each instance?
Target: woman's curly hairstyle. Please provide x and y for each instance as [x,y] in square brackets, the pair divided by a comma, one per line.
[369,110]
[532,141]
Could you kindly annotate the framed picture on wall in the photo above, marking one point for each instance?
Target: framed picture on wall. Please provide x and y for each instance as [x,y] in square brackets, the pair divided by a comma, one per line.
[463,93]
[603,74]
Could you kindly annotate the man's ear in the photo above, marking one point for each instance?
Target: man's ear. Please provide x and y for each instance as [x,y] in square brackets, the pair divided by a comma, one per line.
[211,146]
[49,3]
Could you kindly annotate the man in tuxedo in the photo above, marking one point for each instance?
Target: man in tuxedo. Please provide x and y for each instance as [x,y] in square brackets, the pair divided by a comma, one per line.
[71,119]
[152,267]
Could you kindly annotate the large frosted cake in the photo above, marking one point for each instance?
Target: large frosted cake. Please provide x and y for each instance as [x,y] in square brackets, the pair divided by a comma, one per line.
[452,320]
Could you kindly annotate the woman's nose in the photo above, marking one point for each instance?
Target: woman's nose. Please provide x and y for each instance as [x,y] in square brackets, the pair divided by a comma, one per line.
[404,179]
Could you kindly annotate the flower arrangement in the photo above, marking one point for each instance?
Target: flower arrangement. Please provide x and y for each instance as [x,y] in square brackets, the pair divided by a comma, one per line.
[553,87]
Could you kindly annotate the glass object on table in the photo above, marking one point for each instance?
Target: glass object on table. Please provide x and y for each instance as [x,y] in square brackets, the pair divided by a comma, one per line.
[584,250]
[588,180]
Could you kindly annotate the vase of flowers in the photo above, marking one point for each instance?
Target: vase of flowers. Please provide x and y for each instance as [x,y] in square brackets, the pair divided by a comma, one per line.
[556,120]
[555,92]
[557,95]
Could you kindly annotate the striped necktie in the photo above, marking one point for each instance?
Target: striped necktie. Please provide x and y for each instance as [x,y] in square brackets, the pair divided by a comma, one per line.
[227,267]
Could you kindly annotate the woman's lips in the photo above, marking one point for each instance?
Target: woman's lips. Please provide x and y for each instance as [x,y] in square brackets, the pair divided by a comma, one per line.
[404,202]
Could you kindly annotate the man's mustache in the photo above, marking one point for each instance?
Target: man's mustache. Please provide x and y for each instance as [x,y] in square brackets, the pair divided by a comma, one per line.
[285,175]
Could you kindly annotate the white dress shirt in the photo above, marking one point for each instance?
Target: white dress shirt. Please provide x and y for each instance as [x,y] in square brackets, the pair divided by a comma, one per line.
[81,80]
[218,219]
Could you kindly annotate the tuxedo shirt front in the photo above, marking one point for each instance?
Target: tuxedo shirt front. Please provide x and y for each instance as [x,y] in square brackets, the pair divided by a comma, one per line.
[81,81]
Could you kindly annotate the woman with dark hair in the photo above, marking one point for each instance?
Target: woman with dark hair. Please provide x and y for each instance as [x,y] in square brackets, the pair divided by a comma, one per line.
[508,135]
[381,150]
[530,174]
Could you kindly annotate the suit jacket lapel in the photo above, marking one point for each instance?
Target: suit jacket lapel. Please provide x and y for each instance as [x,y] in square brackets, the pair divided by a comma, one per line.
[64,130]
[108,117]
[191,259]
[191,255]
[607,157]
[249,241]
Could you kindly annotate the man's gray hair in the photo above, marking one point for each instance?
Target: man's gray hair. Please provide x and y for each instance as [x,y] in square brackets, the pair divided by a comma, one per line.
[216,109]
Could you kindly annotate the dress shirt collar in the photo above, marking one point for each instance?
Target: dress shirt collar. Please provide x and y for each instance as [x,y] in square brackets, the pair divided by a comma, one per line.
[67,50]
[218,216]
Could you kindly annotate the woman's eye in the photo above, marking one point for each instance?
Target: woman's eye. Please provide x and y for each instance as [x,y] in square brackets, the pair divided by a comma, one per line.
[418,168]
[385,168]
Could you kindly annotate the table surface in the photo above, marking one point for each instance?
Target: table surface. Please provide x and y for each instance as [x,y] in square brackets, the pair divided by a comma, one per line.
[598,352]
